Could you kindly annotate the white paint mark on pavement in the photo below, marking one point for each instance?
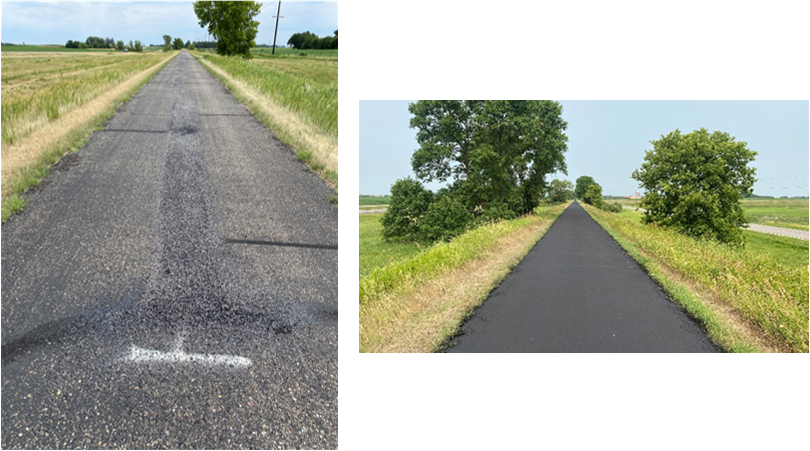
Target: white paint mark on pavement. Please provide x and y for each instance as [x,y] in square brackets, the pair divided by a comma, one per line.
[177,355]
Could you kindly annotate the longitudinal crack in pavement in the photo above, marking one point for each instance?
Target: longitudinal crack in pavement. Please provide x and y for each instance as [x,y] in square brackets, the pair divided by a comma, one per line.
[281,243]
[189,286]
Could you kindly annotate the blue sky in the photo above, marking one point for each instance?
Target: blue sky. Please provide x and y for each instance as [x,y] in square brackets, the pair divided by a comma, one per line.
[607,140]
[56,22]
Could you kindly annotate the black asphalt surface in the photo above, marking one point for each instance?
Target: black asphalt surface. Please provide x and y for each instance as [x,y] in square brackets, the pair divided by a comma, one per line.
[183,222]
[578,291]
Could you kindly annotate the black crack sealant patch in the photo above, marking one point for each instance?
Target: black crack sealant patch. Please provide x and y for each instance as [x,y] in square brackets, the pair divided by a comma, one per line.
[190,288]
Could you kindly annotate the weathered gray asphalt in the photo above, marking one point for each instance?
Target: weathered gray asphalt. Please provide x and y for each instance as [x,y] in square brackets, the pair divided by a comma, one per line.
[183,221]
[577,291]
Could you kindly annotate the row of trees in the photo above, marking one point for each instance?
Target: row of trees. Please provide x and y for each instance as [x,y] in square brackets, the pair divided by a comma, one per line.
[119,45]
[495,155]
[137,46]
[92,42]
[307,40]
[176,44]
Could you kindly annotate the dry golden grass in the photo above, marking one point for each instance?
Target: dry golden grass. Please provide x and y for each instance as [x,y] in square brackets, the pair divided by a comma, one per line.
[27,150]
[423,319]
[747,300]
[287,125]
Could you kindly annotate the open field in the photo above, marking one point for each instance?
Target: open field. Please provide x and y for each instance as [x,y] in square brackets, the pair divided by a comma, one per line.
[751,298]
[46,48]
[790,213]
[40,88]
[291,51]
[51,101]
[374,200]
[374,251]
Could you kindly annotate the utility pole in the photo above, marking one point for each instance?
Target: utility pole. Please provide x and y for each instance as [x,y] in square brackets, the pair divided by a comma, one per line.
[276,33]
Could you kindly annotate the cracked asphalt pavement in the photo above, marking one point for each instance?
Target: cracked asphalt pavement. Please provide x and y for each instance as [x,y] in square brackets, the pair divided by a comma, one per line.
[186,235]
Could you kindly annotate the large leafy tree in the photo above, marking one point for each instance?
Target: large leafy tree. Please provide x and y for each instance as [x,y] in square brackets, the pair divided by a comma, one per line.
[177,44]
[231,23]
[582,185]
[694,183]
[496,152]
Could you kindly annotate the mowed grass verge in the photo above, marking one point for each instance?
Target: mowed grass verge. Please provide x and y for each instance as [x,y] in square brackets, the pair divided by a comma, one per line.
[416,303]
[748,299]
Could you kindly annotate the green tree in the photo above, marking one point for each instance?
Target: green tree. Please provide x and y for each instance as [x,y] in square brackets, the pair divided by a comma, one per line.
[119,45]
[192,46]
[188,44]
[299,41]
[582,185]
[409,203]
[694,183]
[167,40]
[231,23]
[444,219]
[593,195]
[560,191]
[496,152]
[131,45]
[177,44]
[83,45]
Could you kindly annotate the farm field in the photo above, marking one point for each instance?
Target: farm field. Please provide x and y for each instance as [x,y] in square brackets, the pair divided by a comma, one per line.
[374,200]
[51,101]
[47,48]
[789,213]
[291,51]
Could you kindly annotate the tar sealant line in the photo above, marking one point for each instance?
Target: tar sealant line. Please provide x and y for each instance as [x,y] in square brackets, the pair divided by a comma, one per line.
[177,355]
[281,243]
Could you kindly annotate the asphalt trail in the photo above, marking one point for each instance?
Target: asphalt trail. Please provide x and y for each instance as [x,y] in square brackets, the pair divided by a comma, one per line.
[577,291]
[173,285]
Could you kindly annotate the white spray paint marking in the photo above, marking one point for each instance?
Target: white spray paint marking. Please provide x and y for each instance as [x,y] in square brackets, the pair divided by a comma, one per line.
[177,355]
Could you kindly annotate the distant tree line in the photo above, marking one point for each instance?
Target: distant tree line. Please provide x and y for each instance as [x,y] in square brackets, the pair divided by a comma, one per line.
[205,44]
[307,40]
[92,42]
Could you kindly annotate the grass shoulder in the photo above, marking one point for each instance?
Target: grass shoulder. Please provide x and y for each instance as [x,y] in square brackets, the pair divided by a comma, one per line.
[417,302]
[748,299]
